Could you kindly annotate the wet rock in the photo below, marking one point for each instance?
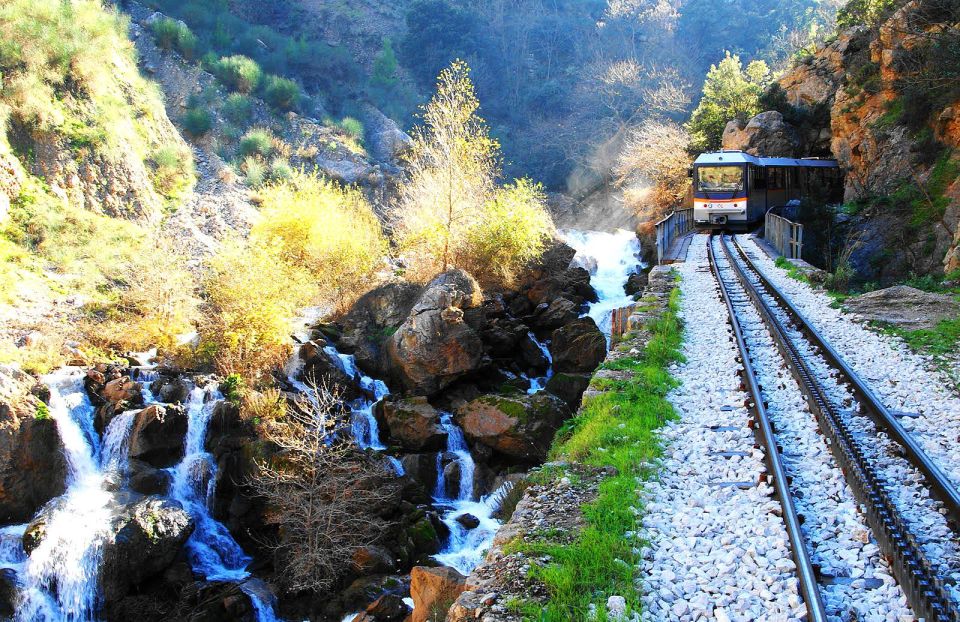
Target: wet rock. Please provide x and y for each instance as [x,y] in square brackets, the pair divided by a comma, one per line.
[370,560]
[434,347]
[326,369]
[145,537]
[469,521]
[569,387]
[170,390]
[520,426]
[8,593]
[572,283]
[123,390]
[146,479]
[635,283]
[158,434]
[433,587]
[502,335]
[413,423]
[365,590]
[904,306]
[554,314]
[422,468]
[387,608]
[578,346]
[32,466]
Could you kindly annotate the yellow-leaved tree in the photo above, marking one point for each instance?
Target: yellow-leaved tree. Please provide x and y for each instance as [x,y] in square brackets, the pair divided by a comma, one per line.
[326,229]
[450,212]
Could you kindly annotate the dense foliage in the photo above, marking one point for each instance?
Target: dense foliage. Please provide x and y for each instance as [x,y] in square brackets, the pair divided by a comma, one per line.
[729,92]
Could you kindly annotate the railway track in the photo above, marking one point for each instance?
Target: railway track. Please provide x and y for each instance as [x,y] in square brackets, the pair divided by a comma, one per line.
[919,540]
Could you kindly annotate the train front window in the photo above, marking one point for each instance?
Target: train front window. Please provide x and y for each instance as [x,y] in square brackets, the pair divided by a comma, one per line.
[720,178]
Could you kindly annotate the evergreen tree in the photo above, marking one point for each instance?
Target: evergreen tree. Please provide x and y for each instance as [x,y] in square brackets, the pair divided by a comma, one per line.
[729,92]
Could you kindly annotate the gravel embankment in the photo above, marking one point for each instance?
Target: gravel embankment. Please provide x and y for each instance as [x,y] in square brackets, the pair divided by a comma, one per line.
[713,550]
[860,584]
[904,380]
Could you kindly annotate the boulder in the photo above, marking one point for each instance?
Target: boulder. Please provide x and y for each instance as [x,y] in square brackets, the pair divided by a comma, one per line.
[218,601]
[502,335]
[578,347]
[157,436]
[112,391]
[554,314]
[433,591]
[413,423]
[9,593]
[572,283]
[326,368]
[635,283]
[422,468]
[904,306]
[532,355]
[387,608]
[469,521]
[434,346]
[385,139]
[766,134]
[145,537]
[569,387]
[145,479]
[365,590]
[370,560]
[170,390]
[32,466]
[372,319]
[123,390]
[520,426]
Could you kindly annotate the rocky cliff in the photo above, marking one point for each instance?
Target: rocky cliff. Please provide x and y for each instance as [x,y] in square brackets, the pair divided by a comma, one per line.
[885,101]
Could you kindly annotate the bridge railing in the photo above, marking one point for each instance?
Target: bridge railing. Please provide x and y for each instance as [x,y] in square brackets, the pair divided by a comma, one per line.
[672,227]
[786,236]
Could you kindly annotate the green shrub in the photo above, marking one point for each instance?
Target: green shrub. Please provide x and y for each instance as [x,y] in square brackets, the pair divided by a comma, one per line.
[237,108]
[233,388]
[238,73]
[352,126]
[171,34]
[254,172]
[42,413]
[280,170]
[281,93]
[173,171]
[197,121]
[256,142]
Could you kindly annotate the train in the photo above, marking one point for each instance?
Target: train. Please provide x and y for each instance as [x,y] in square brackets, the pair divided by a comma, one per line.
[735,190]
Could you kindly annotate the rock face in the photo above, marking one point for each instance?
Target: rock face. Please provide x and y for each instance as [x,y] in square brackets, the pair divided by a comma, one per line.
[578,347]
[435,346]
[767,134]
[413,423]
[433,591]
[157,436]
[858,79]
[519,426]
[32,466]
[905,307]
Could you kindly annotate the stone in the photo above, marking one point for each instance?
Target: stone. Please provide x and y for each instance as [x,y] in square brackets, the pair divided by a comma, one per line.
[387,608]
[413,423]
[520,426]
[170,390]
[556,313]
[370,560]
[569,387]
[502,336]
[433,347]
[766,134]
[578,347]
[635,283]
[123,390]
[324,368]
[431,588]
[157,436]
[385,139]
[146,479]
[9,593]
[469,521]
[32,465]
[904,306]
[372,319]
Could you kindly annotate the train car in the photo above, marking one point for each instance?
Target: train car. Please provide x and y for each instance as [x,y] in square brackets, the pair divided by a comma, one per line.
[735,190]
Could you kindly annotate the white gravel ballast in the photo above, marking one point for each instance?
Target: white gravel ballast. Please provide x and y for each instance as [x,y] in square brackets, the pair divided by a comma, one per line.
[857,583]
[902,379]
[715,546]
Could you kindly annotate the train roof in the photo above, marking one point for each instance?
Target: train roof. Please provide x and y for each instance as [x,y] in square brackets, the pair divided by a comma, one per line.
[740,157]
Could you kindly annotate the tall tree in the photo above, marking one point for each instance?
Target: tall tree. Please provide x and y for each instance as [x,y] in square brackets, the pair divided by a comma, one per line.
[730,92]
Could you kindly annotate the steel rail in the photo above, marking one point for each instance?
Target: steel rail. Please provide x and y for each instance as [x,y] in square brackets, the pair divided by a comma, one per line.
[940,486]
[763,430]
[923,587]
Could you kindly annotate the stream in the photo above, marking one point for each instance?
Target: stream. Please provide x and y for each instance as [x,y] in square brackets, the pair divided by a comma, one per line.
[59,580]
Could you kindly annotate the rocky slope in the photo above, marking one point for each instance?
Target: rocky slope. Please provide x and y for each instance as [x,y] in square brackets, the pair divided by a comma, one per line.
[863,99]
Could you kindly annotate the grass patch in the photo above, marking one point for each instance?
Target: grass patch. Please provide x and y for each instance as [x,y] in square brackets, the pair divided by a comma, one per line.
[618,429]
[794,272]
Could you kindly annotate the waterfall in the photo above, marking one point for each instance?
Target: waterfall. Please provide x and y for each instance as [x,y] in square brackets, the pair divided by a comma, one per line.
[456,445]
[116,446]
[212,551]
[617,256]
[538,384]
[59,579]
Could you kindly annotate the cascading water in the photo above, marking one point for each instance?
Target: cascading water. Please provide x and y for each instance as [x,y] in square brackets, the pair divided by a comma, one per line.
[59,579]
[617,257]
[212,551]
[457,446]
[538,384]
